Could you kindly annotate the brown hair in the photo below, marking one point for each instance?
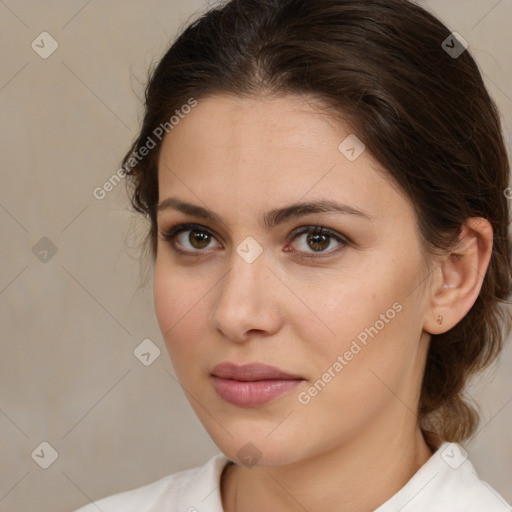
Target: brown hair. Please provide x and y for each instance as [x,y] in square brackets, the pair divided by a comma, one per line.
[422,112]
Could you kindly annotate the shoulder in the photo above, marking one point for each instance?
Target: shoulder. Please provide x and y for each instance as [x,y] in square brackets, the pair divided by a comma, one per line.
[448,481]
[186,490]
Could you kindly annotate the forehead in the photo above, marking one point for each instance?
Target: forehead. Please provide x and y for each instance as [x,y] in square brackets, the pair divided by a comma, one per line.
[226,123]
[267,151]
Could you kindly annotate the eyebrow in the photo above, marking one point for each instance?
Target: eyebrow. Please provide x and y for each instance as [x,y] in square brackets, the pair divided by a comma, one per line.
[271,218]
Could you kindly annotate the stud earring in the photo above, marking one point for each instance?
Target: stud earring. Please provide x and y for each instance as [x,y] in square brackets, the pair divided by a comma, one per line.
[440,319]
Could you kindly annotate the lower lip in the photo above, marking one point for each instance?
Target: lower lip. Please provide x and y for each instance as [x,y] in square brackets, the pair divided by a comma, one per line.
[252,394]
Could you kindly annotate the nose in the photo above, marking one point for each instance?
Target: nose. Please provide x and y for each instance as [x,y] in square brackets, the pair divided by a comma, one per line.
[247,303]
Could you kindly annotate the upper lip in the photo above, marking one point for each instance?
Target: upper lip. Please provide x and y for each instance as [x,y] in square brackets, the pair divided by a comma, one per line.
[251,372]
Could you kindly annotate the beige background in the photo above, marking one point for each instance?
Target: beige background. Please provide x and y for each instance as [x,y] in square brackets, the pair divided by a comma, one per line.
[69,325]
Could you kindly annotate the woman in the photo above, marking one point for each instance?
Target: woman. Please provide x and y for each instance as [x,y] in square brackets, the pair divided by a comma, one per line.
[325,183]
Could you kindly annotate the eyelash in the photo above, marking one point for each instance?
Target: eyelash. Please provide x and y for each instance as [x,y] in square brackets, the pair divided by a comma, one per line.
[169,235]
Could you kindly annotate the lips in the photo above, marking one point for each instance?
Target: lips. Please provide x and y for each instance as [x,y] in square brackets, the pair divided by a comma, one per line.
[251,372]
[253,384]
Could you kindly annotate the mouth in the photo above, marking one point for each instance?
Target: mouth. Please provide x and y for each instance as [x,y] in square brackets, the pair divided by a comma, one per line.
[252,384]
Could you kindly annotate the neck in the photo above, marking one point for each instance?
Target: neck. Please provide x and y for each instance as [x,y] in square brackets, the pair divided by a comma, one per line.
[361,474]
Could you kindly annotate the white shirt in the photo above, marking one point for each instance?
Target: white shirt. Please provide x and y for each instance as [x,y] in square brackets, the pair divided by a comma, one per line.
[447,482]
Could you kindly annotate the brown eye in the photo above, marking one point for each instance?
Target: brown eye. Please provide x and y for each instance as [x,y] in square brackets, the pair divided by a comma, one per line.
[199,239]
[319,240]
[194,240]
[189,238]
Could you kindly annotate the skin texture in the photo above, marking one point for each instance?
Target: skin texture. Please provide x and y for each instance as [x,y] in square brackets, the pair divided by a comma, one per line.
[241,158]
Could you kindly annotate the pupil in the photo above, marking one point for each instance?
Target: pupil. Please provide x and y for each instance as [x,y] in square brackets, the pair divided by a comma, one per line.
[198,239]
[317,241]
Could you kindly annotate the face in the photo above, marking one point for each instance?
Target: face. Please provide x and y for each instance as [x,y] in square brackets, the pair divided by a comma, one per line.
[340,308]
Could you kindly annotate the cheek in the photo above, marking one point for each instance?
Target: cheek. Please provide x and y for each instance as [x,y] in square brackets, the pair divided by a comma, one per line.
[370,320]
[180,310]
[176,292]
[165,299]
[336,306]
[371,353]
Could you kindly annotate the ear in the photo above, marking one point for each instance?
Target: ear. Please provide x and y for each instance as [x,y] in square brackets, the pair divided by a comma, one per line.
[461,274]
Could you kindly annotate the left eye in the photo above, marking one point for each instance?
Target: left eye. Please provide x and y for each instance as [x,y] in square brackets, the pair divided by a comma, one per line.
[319,239]
[315,238]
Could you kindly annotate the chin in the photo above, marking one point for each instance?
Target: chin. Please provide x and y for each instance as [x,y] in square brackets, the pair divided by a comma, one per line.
[258,450]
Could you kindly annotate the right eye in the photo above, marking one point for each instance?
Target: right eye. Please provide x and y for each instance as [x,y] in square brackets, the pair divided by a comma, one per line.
[191,238]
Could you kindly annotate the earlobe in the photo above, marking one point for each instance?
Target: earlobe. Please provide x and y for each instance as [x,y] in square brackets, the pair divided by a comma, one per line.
[462,271]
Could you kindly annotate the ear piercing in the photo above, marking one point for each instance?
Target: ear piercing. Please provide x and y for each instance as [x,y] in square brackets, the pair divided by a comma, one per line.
[440,319]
